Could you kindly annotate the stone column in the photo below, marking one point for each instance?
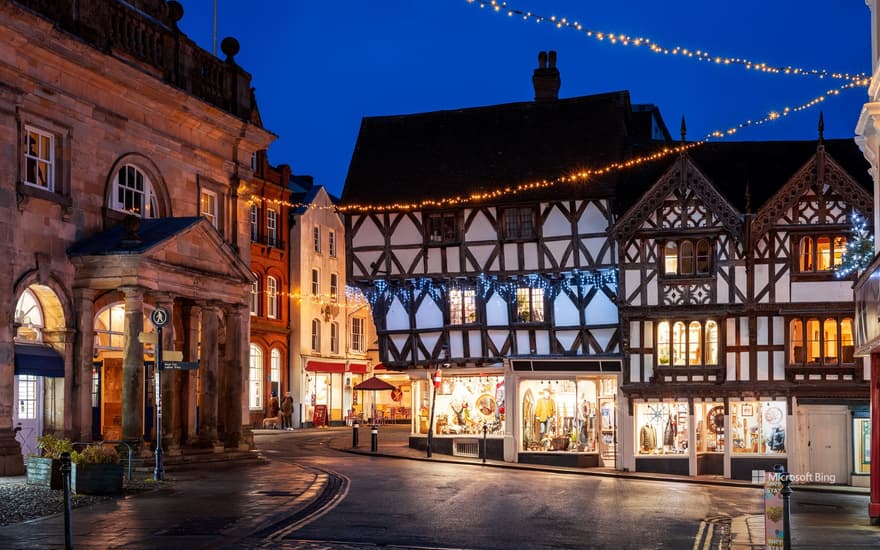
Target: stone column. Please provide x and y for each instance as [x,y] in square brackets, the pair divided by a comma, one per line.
[83,356]
[133,366]
[233,390]
[209,366]
[11,461]
[189,389]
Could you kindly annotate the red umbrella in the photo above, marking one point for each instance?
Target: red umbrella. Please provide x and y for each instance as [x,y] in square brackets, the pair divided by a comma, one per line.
[374,384]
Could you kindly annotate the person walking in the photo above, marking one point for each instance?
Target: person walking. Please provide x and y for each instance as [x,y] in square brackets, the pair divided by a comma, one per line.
[287,412]
[274,408]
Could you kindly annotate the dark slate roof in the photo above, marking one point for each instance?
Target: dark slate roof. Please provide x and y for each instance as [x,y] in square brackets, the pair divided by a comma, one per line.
[763,166]
[117,240]
[459,152]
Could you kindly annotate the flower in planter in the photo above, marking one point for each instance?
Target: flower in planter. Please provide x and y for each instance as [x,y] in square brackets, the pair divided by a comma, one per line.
[96,454]
[52,447]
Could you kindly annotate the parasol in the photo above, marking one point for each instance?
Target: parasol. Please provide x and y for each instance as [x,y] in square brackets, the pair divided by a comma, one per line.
[374,384]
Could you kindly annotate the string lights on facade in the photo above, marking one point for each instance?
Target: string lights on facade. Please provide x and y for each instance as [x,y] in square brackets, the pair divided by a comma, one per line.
[620,39]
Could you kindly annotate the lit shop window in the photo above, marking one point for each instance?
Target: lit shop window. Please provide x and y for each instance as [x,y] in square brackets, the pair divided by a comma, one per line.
[462,306]
[530,305]
[757,427]
[255,378]
[820,253]
[821,341]
[662,428]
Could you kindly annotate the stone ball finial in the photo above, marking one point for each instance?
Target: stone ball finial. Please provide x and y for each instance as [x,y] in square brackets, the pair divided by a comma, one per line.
[175,11]
[230,47]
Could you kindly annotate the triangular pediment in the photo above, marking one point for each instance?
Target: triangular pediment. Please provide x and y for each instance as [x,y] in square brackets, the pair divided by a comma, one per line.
[186,257]
[683,198]
[821,192]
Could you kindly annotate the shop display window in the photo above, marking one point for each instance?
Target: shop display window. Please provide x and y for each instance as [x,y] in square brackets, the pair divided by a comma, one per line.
[464,404]
[569,415]
[758,427]
[710,427]
[661,428]
[862,446]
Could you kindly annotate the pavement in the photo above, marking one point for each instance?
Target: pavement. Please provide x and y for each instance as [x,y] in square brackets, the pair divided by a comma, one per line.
[261,496]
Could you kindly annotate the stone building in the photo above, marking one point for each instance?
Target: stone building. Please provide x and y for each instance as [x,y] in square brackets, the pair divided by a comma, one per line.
[125,169]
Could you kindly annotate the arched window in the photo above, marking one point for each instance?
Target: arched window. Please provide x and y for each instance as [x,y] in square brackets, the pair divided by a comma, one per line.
[814,341]
[679,344]
[695,338]
[29,318]
[711,343]
[133,193]
[271,298]
[703,259]
[255,378]
[670,255]
[692,343]
[686,258]
[275,366]
[663,344]
[806,254]
[829,341]
[820,253]
[316,335]
[846,341]
[796,341]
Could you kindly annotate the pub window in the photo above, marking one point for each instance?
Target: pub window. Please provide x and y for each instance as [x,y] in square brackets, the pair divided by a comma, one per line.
[462,306]
[518,223]
[687,257]
[816,341]
[687,344]
[529,305]
[442,227]
[821,253]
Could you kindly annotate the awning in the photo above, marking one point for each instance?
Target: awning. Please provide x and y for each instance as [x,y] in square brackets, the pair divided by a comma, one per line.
[38,360]
[325,366]
[357,368]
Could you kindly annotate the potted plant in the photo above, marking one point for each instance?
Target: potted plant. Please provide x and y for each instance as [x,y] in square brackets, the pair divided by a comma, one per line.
[96,470]
[45,469]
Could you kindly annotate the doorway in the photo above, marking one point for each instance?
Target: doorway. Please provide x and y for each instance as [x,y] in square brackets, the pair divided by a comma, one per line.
[27,412]
[826,447]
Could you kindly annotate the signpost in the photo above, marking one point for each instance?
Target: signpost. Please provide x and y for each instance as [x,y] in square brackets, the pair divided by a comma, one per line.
[159,317]
[436,377]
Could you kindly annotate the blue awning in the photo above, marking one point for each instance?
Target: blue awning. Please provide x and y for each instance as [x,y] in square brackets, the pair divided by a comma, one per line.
[38,360]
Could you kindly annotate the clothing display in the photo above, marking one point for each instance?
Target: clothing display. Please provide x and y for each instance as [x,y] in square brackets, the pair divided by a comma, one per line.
[648,438]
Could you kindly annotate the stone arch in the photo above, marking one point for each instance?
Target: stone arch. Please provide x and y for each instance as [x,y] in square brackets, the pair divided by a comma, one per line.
[160,187]
[54,301]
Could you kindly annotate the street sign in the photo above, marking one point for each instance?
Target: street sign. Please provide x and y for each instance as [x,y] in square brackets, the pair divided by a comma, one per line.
[148,338]
[159,317]
[181,365]
[171,355]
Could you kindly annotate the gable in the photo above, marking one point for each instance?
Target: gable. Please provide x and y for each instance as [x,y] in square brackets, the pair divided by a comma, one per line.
[200,248]
[683,198]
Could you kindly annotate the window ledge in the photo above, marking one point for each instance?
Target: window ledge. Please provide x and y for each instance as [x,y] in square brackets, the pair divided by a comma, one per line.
[25,192]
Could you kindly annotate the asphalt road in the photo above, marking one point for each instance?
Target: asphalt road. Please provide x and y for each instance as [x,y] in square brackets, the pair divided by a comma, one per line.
[414,504]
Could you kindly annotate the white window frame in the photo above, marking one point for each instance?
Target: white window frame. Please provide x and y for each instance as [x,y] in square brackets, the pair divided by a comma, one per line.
[271,297]
[316,239]
[255,378]
[316,335]
[334,287]
[255,295]
[255,226]
[334,337]
[357,333]
[275,366]
[146,197]
[44,156]
[271,227]
[316,282]
[331,243]
[208,206]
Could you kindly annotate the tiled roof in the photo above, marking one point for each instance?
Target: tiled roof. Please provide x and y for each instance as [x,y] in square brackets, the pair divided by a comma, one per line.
[118,240]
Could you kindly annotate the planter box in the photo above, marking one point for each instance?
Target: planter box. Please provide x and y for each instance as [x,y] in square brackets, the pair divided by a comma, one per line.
[45,472]
[97,479]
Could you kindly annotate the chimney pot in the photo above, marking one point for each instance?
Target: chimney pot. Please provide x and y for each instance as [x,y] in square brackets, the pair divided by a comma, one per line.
[546,79]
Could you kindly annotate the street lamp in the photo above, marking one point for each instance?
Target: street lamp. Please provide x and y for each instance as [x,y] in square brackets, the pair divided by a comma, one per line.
[435,378]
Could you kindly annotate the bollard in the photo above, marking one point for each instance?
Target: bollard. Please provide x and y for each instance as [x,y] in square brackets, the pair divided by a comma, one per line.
[785,478]
[65,475]
[485,431]
[374,438]
[354,435]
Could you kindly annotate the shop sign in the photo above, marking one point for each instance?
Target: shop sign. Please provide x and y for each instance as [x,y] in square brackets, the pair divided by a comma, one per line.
[774,531]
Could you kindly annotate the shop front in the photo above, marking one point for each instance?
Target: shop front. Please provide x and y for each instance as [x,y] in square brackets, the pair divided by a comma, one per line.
[468,408]
[329,398]
[566,419]
[757,437]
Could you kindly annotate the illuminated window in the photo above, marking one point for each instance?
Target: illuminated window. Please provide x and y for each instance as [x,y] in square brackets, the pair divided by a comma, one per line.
[255,378]
[682,344]
[208,206]
[133,193]
[462,306]
[820,253]
[28,318]
[826,341]
[442,227]
[39,158]
[529,305]
[334,287]
[275,366]
[687,257]
[27,397]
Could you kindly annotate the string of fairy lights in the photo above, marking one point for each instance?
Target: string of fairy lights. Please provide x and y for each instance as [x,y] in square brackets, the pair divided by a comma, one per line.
[702,55]
[581,176]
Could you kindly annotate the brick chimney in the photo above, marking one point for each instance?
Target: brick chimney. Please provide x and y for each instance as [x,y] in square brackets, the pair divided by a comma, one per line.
[546,77]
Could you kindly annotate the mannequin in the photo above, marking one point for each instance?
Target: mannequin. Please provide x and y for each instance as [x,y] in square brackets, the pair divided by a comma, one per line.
[545,410]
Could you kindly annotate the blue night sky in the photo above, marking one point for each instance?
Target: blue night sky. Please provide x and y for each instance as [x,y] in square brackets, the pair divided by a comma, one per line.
[319,66]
